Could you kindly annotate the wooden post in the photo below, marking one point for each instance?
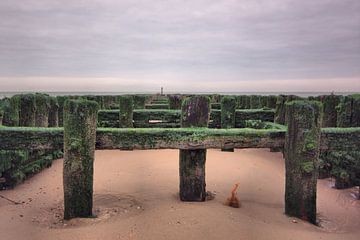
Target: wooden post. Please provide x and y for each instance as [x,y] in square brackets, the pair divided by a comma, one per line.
[54,112]
[27,110]
[302,142]
[195,113]
[126,111]
[42,102]
[228,107]
[79,147]
[175,101]
[11,111]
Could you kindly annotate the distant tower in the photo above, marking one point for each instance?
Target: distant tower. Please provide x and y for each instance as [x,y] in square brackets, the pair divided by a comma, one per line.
[162,91]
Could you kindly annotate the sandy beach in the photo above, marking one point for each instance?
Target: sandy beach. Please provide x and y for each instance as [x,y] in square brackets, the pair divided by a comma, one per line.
[135,197]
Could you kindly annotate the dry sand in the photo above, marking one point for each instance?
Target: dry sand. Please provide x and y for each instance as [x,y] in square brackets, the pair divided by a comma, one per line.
[135,197]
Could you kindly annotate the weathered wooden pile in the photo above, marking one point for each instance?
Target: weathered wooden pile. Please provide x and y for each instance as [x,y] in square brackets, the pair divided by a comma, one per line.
[329,140]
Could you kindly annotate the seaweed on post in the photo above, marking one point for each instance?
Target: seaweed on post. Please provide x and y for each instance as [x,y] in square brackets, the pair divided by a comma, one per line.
[126,106]
[228,105]
[195,113]
[79,148]
[27,115]
[302,143]
[42,102]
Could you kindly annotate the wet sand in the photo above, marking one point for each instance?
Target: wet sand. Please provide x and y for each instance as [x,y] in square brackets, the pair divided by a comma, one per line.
[135,197]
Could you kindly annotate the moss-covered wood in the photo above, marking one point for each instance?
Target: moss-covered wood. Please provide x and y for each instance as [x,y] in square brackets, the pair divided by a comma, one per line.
[27,110]
[42,102]
[330,102]
[263,101]
[156,118]
[79,148]
[302,144]
[17,165]
[110,102]
[192,175]
[280,107]
[1,115]
[61,101]
[53,112]
[195,112]
[228,106]
[340,155]
[271,101]
[242,115]
[11,111]
[215,119]
[12,138]
[255,101]
[97,98]
[157,106]
[126,105]
[348,111]
[139,101]
[215,106]
[175,101]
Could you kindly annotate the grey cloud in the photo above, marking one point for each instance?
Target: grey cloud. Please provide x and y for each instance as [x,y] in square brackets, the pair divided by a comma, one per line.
[283,39]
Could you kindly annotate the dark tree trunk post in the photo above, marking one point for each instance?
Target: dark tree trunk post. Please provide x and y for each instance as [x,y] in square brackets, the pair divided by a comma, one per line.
[42,102]
[27,110]
[271,101]
[126,111]
[61,101]
[302,142]
[12,112]
[54,112]
[255,101]
[1,116]
[330,103]
[228,107]
[280,109]
[195,113]
[79,147]
[175,101]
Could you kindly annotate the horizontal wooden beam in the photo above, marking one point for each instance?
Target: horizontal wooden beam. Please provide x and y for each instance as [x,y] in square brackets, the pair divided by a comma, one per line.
[146,138]
[188,138]
[332,139]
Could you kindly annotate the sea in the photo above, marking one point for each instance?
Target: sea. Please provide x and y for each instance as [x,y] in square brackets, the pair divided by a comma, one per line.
[301,94]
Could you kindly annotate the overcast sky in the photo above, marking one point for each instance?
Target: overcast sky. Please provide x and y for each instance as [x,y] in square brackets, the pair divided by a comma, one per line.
[206,45]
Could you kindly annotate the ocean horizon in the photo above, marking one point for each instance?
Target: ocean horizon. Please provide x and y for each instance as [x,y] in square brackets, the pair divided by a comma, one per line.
[80,93]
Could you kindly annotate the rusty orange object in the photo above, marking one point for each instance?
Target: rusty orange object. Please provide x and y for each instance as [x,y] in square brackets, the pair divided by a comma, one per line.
[233,201]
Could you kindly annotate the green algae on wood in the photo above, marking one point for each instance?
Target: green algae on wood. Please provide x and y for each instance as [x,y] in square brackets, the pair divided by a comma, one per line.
[228,106]
[11,108]
[42,102]
[175,101]
[61,100]
[242,115]
[27,110]
[79,148]
[126,105]
[139,101]
[348,111]
[53,112]
[192,175]
[302,147]
[195,112]
[157,106]
[330,102]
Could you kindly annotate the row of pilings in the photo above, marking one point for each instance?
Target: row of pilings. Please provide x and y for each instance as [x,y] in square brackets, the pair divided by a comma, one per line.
[301,154]
[42,110]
